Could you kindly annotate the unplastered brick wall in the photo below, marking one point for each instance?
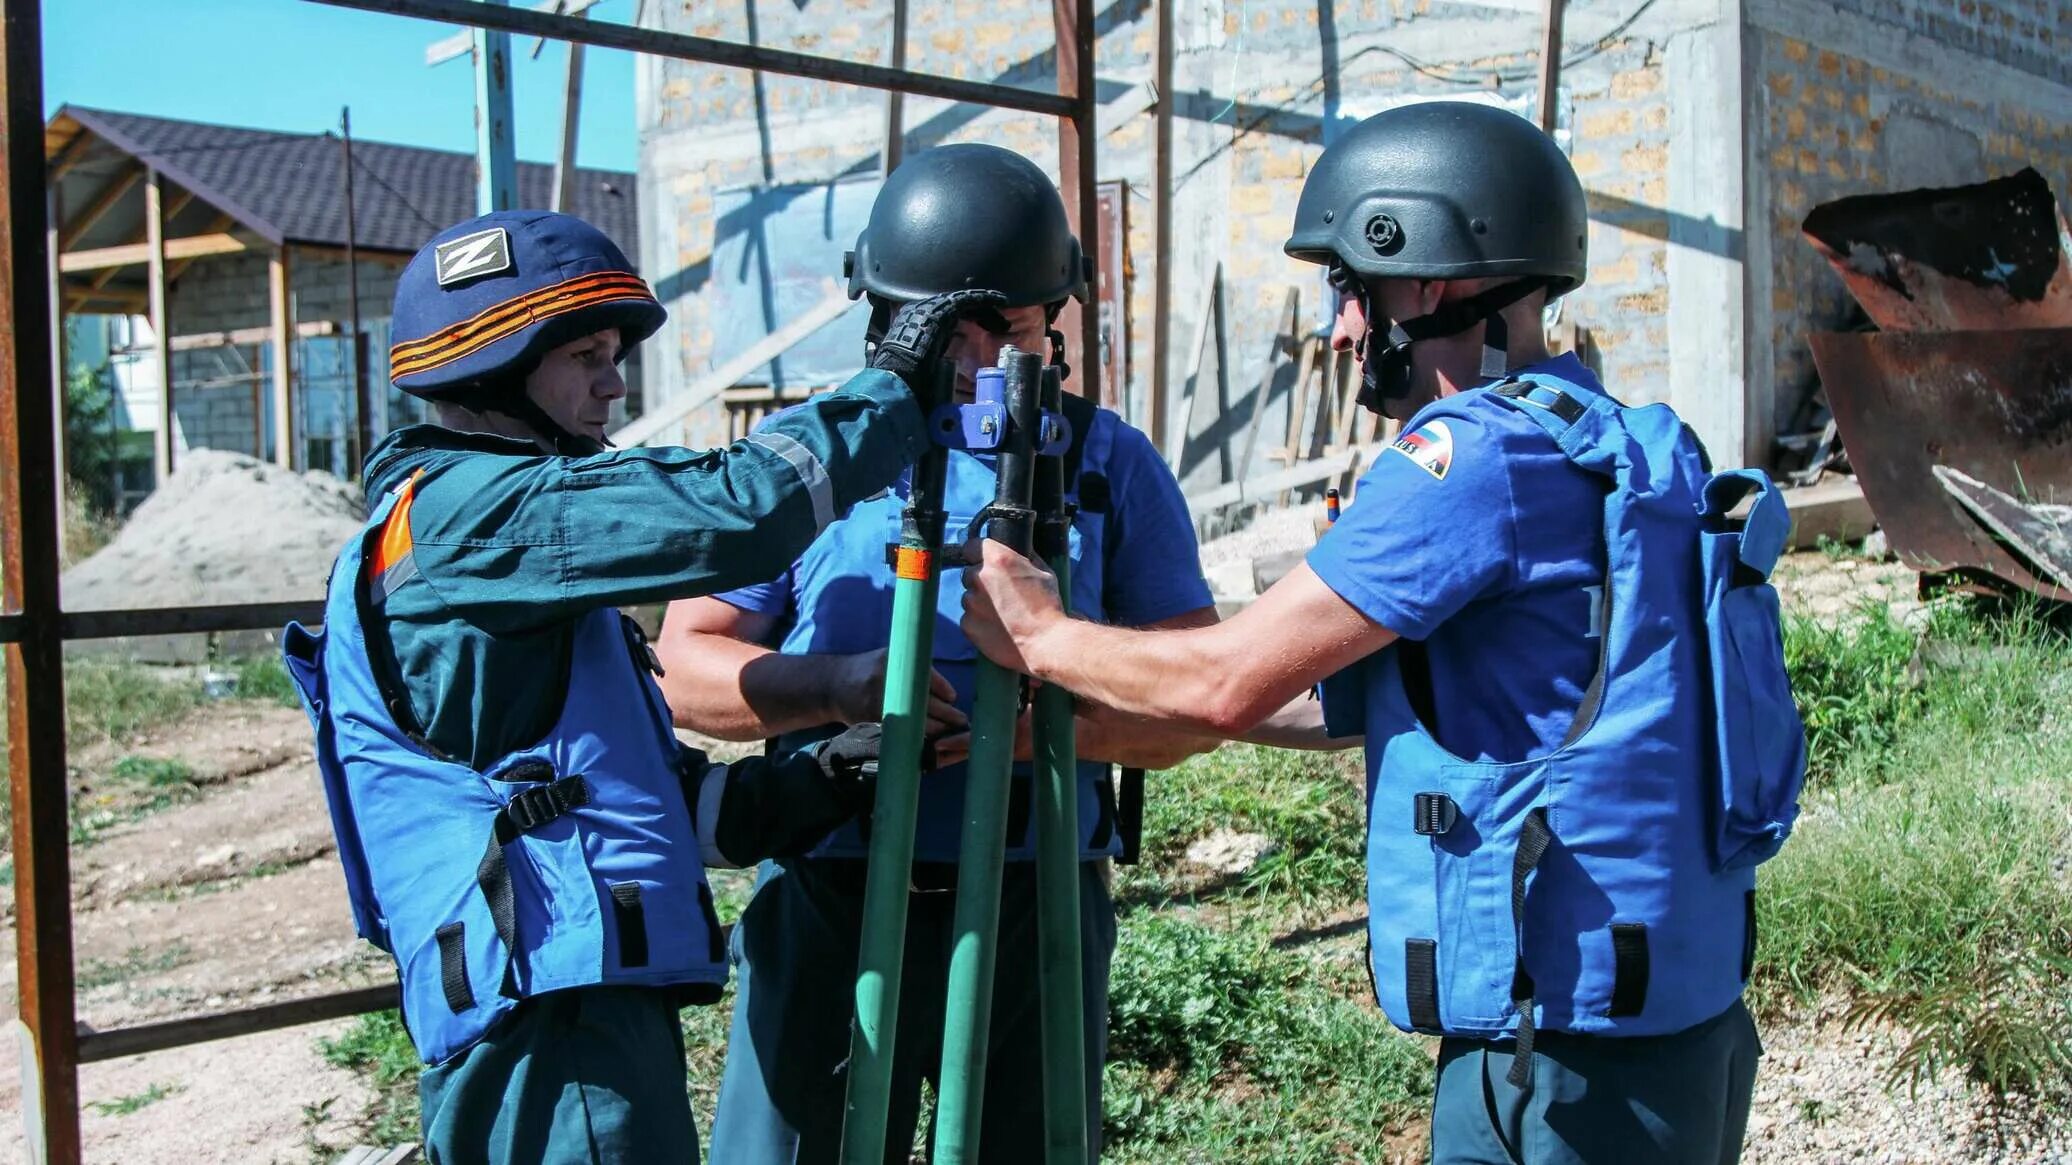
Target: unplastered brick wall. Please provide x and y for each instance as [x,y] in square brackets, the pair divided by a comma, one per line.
[1256,84]
[229,293]
[1901,112]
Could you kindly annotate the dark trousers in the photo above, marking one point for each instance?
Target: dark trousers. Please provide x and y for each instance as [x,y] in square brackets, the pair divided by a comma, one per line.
[1679,1099]
[593,1076]
[795,950]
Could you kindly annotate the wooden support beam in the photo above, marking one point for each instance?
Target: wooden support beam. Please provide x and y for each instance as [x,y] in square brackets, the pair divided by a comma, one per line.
[94,211]
[283,359]
[460,44]
[131,254]
[571,111]
[1550,64]
[178,269]
[245,337]
[161,325]
[54,209]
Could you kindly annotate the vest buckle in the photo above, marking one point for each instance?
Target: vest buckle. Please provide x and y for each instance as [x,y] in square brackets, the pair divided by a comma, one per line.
[1435,814]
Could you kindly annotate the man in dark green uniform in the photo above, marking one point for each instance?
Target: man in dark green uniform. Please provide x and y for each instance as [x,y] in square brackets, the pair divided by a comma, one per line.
[518,825]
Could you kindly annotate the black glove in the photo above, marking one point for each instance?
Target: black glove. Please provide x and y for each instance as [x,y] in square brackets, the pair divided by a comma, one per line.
[780,807]
[919,330]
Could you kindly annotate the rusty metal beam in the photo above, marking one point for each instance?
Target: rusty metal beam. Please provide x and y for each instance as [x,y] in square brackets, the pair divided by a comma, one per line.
[189,620]
[29,579]
[706,50]
[1154,416]
[1078,175]
[115,1043]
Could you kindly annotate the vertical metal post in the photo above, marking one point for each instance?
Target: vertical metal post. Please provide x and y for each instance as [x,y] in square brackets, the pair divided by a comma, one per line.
[571,116]
[283,358]
[1078,172]
[161,324]
[29,579]
[1059,961]
[1154,418]
[363,401]
[881,952]
[54,207]
[496,166]
[1550,64]
[895,101]
[981,853]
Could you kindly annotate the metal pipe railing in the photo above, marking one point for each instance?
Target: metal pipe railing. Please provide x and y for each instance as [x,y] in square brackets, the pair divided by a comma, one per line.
[35,627]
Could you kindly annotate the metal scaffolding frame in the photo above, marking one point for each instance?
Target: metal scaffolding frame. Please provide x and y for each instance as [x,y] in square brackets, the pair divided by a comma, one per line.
[33,625]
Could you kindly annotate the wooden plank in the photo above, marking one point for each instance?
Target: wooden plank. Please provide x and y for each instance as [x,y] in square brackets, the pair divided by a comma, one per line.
[154,234]
[1282,340]
[777,343]
[283,359]
[1205,323]
[1836,510]
[1550,64]
[571,111]
[179,204]
[1114,114]
[1302,473]
[131,254]
[248,336]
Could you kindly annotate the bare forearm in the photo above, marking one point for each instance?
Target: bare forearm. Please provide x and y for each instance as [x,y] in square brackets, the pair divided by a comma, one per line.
[1299,724]
[732,690]
[1191,679]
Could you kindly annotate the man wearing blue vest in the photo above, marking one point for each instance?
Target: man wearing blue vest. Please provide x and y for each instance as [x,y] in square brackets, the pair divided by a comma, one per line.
[1522,612]
[799,657]
[518,825]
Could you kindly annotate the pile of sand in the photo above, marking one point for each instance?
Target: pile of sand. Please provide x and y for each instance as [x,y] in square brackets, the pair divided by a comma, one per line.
[224,528]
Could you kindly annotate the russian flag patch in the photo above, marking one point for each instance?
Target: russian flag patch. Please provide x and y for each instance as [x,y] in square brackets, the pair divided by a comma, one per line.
[1429,447]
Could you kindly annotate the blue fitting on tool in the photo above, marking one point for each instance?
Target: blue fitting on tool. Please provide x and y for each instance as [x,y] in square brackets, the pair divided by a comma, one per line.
[981,426]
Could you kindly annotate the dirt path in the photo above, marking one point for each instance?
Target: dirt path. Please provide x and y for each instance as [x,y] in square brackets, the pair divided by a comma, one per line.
[231,898]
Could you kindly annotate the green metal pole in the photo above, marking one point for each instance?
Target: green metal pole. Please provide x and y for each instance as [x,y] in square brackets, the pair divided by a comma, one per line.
[1057,846]
[988,778]
[917,581]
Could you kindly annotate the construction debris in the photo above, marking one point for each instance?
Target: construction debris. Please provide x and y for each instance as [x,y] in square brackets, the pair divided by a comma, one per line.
[1958,417]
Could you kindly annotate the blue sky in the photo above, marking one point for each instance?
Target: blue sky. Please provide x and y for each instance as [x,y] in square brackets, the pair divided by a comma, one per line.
[291,65]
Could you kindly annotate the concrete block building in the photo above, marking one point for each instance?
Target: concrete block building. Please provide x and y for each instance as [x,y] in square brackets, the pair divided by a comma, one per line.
[1703,130]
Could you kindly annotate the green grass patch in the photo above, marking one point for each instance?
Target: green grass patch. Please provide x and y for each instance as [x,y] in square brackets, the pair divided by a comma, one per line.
[1311,805]
[265,678]
[135,962]
[1925,882]
[378,1047]
[125,1105]
[116,700]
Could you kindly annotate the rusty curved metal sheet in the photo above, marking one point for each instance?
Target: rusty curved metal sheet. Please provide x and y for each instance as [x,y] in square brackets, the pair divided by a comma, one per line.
[1995,405]
[1996,254]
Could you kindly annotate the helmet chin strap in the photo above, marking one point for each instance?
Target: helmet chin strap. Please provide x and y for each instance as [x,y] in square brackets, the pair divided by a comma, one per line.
[519,406]
[1385,374]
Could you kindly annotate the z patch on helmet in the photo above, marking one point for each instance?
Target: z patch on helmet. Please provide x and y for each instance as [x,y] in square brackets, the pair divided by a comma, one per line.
[1429,447]
[469,256]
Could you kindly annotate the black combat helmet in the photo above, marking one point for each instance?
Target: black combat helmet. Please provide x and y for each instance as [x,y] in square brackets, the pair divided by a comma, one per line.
[957,217]
[1441,190]
[1444,190]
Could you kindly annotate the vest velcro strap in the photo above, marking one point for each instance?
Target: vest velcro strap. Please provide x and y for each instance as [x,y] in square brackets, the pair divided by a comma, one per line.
[1629,968]
[1748,937]
[1436,813]
[453,967]
[1129,815]
[1533,839]
[1555,401]
[1104,817]
[631,918]
[529,809]
[1421,982]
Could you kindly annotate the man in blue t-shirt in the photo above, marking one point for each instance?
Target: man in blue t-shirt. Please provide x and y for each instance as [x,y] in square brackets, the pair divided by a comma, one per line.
[797,657]
[1459,609]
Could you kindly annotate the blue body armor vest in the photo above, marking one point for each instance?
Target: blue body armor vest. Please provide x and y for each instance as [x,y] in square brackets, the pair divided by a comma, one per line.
[1607,887]
[568,863]
[842,596]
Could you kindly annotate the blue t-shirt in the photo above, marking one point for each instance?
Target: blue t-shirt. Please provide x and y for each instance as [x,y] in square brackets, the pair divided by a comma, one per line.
[1475,535]
[1134,560]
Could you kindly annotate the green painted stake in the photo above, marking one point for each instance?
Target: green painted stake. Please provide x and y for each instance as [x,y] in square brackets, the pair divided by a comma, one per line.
[1057,847]
[987,782]
[917,581]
